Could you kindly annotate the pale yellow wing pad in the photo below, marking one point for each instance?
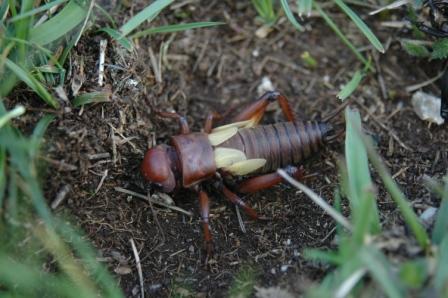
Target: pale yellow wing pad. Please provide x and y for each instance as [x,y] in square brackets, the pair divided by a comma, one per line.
[221,136]
[245,167]
[238,125]
[225,157]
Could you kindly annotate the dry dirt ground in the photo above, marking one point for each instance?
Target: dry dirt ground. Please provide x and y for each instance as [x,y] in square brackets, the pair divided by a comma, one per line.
[93,150]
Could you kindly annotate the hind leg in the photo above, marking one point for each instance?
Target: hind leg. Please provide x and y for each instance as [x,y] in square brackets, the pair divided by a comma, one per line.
[256,110]
[268,180]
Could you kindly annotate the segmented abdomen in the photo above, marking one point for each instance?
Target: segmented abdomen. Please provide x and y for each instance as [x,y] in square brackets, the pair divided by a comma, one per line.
[281,144]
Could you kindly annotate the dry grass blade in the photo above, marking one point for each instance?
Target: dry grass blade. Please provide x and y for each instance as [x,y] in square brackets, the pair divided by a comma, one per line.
[135,194]
[318,200]
[139,267]
[350,283]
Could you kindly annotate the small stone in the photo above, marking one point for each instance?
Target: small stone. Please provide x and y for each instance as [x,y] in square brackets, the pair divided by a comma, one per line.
[428,216]
[427,107]
[154,287]
[123,270]
[263,31]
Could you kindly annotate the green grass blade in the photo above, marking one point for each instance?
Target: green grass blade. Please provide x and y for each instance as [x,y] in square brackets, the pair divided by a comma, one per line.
[36,10]
[290,15]
[38,134]
[32,83]
[88,256]
[341,35]
[92,97]
[361,25]
[16,112]
[360,186]
[414,48]
[329,257]
[397,195]
[441,274]
[351,86]
[243,283]
[147,14]
[304,7]
[2,176]
[441,225]
[380,270]
[62,23]
[265,9]
[116,35]
[175,28]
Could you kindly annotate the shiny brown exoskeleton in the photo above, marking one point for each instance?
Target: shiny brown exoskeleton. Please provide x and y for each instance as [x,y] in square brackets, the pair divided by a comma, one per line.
[241,148]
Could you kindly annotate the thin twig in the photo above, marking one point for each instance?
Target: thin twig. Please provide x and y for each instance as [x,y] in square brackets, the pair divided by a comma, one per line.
[101,182]
[318,200]
[385,127]
[103,46]
[149,200]
[415,87]
[60,196]
[240,220]
[139,267]
[155,65]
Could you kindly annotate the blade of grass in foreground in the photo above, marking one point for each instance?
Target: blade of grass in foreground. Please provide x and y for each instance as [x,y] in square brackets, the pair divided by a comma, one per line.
[32,83]
[175,28]
[67,19]
[397,195]
[2,176]
[92,97]
[361,25]
[16,112]
[351,86]
[304,7]
[379,268]
[147,14]
[290,15]
[36,10]
[360,186]
[441,275]
[341,35]
[124,41]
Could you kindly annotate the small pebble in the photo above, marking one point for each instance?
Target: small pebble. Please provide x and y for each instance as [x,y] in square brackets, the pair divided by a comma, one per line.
[428,216]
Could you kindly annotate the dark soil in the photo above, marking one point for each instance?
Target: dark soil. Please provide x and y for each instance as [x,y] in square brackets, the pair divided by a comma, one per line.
[98,148]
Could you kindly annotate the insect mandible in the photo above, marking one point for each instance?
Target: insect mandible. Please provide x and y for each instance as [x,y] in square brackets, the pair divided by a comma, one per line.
[239,149]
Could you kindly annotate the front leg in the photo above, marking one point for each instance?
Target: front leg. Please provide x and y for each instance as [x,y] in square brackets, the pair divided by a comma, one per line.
[184,128]
[211,117]
[204,206]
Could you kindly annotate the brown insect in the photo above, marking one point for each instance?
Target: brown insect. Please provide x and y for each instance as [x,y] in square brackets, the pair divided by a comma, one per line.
[241,148]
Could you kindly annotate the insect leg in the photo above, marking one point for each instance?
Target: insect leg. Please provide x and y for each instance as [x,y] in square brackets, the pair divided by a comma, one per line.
[268,180]
[205,214]
[212,116]
[255,111]
[184,128]
[232,197]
